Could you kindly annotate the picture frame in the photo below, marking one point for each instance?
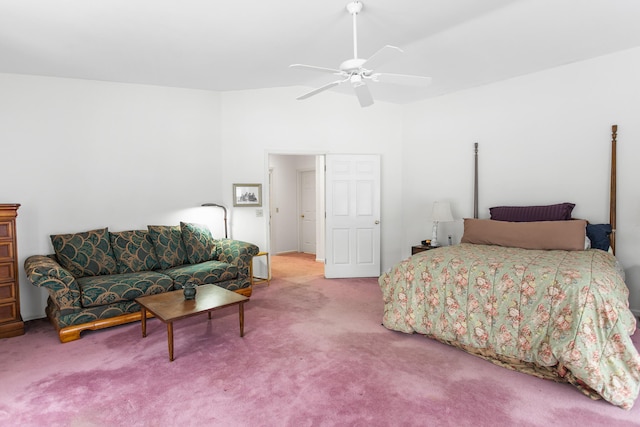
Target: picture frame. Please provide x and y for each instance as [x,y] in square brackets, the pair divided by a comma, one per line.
[247,195]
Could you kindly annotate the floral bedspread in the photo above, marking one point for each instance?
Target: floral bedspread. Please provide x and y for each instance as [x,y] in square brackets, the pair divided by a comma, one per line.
[550,308]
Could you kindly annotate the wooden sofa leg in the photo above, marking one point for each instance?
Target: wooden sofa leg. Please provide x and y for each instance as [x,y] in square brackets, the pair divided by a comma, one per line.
[72,333]
[69,334]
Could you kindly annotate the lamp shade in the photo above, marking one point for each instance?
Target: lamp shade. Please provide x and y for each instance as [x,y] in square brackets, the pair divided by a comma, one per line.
[441,212]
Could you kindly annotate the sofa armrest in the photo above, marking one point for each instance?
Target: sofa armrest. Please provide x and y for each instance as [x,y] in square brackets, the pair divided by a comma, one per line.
[44,271]
[238,253]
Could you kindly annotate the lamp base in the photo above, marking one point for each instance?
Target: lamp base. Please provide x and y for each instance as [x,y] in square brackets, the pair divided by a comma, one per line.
[434,237]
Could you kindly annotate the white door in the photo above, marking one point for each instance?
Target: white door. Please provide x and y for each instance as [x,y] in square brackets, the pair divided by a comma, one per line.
[352,215]
[307,216]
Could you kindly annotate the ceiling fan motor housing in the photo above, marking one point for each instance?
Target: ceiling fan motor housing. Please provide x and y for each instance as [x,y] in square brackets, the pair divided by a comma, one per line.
[352,65]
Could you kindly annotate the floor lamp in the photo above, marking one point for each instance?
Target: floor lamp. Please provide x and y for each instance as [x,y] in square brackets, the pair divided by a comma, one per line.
[225,215]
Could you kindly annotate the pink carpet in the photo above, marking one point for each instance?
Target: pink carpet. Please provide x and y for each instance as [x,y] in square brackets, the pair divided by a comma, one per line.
[314,354]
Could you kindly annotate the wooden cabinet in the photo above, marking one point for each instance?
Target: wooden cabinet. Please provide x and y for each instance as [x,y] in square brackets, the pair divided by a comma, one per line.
[11,323]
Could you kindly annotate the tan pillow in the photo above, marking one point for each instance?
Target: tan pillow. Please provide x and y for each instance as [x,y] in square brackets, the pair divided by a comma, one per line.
[564,235]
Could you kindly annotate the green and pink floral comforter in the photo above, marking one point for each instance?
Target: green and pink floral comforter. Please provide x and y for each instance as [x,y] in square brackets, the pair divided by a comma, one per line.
[562,309]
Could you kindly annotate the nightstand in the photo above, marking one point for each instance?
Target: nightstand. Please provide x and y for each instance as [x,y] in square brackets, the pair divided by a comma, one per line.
[255,279]
[421,248]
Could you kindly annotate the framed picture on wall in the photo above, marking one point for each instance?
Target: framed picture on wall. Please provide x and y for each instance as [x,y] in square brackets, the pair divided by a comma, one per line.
[247,195]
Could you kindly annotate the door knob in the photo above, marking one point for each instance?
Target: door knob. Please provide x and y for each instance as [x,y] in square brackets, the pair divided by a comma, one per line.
[377,222]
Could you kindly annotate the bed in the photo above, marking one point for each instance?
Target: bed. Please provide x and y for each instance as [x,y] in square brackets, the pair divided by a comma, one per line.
[529,295]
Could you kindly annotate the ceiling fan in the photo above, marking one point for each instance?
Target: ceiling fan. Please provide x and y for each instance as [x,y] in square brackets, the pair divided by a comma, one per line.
[358,71]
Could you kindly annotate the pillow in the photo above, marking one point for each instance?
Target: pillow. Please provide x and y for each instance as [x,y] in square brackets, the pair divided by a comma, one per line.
[599,235]
[134,251]
[85,254]
[563,235]
[198,242]
[167,241]
[559,212]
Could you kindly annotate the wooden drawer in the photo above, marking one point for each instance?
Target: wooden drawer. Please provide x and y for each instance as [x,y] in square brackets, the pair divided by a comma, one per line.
[7,292]
[8,312]
[6,251]
[6,230]
[7,273]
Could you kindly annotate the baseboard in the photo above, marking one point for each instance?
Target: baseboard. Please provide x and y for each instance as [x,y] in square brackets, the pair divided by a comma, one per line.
[286,252]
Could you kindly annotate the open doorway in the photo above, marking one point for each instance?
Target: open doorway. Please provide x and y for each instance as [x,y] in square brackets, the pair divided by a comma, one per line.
[296,204]
[347,211]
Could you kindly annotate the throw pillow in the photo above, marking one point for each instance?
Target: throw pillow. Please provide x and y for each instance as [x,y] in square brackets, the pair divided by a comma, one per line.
[599,235]
[198,242]
[549,235]
[134,251]
[558,212]
[167,241]
[85,254]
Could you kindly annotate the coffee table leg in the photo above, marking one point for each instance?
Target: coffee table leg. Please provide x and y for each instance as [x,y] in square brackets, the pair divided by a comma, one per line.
[241,318]
[143,321]
[170,339]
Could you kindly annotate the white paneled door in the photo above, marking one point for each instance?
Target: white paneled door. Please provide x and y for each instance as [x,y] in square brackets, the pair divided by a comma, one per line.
[307,182]
[353,215]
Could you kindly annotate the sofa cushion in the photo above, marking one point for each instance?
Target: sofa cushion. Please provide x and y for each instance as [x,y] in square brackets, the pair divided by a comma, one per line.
[85,254]
[203,273]
[167,241]
[198,242]
[134,251]
[101,290]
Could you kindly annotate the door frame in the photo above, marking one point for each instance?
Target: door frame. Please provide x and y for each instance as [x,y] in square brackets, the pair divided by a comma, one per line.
[267,205]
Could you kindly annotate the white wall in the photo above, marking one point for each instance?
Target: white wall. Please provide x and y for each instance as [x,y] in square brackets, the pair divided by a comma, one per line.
[81,154]
[543,138]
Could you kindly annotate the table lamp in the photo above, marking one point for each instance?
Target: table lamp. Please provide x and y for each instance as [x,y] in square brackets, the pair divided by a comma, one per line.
[441,213]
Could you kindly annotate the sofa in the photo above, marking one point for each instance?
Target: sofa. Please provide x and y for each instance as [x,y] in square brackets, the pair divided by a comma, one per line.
[94,277]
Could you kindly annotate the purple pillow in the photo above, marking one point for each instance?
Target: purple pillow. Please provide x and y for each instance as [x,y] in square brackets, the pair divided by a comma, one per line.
[559,212]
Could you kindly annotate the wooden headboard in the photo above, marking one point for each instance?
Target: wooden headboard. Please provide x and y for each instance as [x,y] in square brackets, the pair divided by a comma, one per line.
[612,190]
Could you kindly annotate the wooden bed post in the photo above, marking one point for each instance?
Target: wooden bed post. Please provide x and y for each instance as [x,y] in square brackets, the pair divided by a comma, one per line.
[612,191]
[475,184]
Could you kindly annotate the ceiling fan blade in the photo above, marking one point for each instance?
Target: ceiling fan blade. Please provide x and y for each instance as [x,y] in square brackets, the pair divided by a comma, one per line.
[320,89]
[382,56]
[363,94]
[401,79]
[314,68]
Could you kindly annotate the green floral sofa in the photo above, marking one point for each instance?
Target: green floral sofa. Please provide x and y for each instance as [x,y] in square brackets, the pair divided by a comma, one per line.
[94,277]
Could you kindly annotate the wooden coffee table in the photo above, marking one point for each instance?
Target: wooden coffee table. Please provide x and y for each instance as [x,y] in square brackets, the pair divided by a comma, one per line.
[171,306]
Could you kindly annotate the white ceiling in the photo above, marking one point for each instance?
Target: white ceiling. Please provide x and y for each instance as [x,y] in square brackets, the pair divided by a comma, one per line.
[235,45]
